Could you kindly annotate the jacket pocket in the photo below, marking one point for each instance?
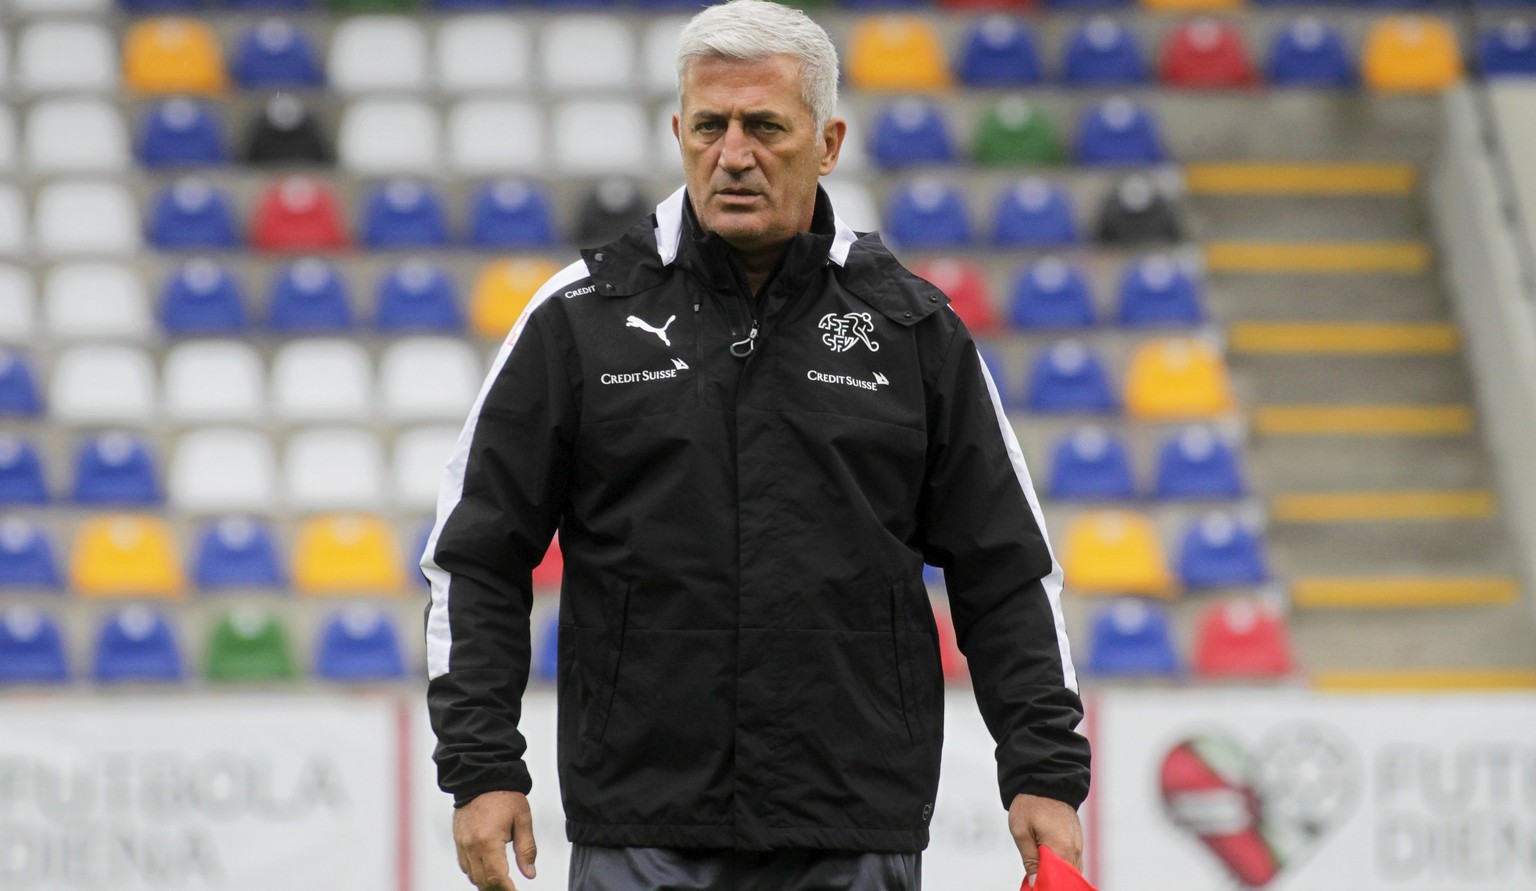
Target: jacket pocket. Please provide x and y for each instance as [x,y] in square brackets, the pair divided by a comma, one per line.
[904,680]
[919,677]
[591,660]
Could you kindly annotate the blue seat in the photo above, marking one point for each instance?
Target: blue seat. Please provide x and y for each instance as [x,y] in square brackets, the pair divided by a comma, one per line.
[115,468]
[21,472]
[1218,552]
[1310,53]
[1195,463]
[309,297]
[1131,638]
[1091,463]
[928,214]
[27,556]
[1508,50]
[193,214]
[404,214]
[136,644]
[997,369]
[459,5]
[163,6]
[1119,131]
[1158,290]
[18,387]
[359,645]
[417,296]
[31,648]
[235,552]
[933,576]
[1088,4]
[1034,213]
[276,55]
[202,298]
[1102,52]
[1052,294]
[999,52]
[511,213]
[877,5]
[546,662]
[1068,378]
[181,133]
[911,133]
[275,5]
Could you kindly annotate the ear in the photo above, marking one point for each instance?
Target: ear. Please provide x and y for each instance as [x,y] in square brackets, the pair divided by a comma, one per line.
[831,143]
[677,128]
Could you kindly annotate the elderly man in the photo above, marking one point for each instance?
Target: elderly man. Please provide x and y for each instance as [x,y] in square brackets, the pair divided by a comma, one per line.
[751,427]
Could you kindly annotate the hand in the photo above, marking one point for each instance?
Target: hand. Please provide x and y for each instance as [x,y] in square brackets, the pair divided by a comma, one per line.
[1036,821]
[481,831]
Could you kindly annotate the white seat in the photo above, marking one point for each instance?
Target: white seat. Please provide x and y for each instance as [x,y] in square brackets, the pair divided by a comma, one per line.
[660,54]
[76,135]
[85,217]
[483,52]
[85,300]
[421,454]
[324,379]
[490,136]
[8,148]
[429,378]
[853,157]
[223,469]
[18,306]
[389,136]
[73,54]
[213,380]
[13,222]
[378,52]
[101,384]
[56,7]
[585,52]
[329,468]
[597,137]
[853,204]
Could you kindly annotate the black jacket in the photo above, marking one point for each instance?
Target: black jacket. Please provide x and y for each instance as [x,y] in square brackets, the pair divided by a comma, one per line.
[747,654]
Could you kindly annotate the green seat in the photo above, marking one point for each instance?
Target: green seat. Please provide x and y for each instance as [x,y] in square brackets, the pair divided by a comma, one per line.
[1016,132]
[249,645]
[371,5]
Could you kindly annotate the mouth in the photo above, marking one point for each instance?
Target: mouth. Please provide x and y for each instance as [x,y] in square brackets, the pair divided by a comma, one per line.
[739,194]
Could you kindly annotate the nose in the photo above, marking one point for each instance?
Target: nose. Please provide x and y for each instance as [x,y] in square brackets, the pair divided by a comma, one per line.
[736,150]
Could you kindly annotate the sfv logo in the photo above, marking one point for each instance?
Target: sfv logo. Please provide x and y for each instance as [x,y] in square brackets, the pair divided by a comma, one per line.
[635,322]
[846,330]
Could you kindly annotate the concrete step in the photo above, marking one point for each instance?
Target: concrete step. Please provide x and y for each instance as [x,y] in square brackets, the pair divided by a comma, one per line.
[1301,550]
[1406,506]
[1406,257]
[1372,464]
[1325,420]
[1349,217]
[1409,680]
[1357,592]
[1463,640]
[1326,298]
[1359,338]
[1286,379]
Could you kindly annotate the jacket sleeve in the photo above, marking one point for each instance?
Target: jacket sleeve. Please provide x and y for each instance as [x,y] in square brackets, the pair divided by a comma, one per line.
[501,501]
[982,525]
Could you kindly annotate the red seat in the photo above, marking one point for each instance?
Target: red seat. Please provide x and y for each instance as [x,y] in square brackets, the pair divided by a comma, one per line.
[1242,639]
[950,657]
[546,576]
[967,288]
[298,213]
[1206,54]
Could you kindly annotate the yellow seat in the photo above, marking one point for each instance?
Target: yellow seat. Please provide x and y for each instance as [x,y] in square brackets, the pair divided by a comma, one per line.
[1192,5]
[1115,552]
[896,53]
[126,555]
[346,554]
[173,55]
[1177,378]
[502,290]
[1410,54]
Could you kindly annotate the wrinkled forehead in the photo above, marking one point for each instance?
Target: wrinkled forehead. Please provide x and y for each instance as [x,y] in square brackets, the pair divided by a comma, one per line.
[773,81]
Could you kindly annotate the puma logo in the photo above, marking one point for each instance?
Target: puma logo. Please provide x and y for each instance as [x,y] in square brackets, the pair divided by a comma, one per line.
[633,322]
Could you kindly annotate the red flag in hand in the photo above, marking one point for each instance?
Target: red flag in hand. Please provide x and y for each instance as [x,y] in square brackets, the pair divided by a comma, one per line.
[1056,874]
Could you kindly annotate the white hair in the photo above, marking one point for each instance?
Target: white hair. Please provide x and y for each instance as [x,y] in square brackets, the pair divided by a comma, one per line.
[751,30]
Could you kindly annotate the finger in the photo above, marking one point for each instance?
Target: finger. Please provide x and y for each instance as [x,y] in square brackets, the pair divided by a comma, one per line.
[1028,851]
[523,845]
[494,874]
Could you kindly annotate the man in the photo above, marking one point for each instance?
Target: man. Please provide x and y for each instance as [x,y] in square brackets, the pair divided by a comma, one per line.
[751,427]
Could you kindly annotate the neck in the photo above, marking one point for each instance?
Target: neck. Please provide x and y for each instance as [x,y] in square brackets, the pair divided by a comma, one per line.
[758,265]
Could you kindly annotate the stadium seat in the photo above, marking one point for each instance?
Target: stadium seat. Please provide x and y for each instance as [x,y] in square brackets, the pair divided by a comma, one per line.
[378,54]
[181,133]
[101,384]
[999,52]
[1130,638]
[84,217]
[1196,6]
[142,7]
[116,469]
[385,137]
[1206,54]
[1242,639]
[298,213]
[659,53]
[1218,552]
[19,396]
[136,645]
[1092,464]
[1101,53]
[21,472]
[76,136]
[1310,53]
[202,298]
[1067,378]
[403,214]
[1034,213]
[173,56]
[14,238]
[18,306]
[213,381]
[1410,54]
[248,644]
[332,468]
[1159,290]
[1052,294]
[359,644]
[219,469]
[31,648]
[375,6]
[996,367]
[1136,212]
[275,55]
[272,5]
[966,286]
[235,552]
[1119,131]
[910,133]
[418,297]
[546,663]
[420,455]
[29,8]
[495,136]
[192,214]
[96,300]
[500,292]
[125,555]
[342,364]
[1115,552]
[896,54]
[547,575]
[309,297]
[1016,132]
[285,132]
[346,554]
[511,214]
[483,52]
[26,557]
[853,204]
[1508,50]
[613,205]
[952,662]
[587,53]
[1195,463]
[1176,379]
[59,55]
[599,138]
[927,215]
[429,379]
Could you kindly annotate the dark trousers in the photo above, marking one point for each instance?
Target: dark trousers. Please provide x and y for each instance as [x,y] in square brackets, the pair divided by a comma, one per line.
[667,869]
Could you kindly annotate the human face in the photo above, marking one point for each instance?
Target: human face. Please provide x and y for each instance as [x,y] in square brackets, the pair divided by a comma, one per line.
[751,152]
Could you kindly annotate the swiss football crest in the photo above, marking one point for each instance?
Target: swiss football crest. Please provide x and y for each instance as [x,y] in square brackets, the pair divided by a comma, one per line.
[847,330]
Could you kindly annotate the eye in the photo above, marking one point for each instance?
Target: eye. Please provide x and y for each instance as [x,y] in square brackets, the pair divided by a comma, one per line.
[706,126]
